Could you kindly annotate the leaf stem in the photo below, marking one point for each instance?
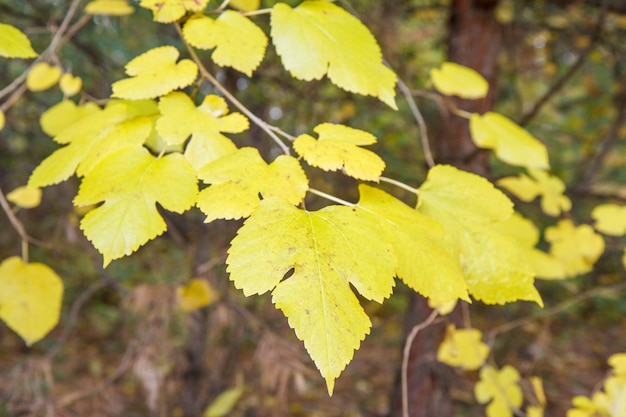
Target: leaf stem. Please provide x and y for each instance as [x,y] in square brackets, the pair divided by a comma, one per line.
[331,197]
[257,12]
[421,123]
[17,225]
[399,184]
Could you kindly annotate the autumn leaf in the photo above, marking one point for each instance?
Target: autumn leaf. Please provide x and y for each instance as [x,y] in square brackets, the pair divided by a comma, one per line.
[540,183]
[338,147]
[223,405]
[70,85]
[109,7]
[168,11]
[155,73]
[2,120]
[245,5]
[30,300]
[510,142]
[14,43]
[618,362]
[457,80]
[195,295]
[238,42]
[130,182]
[25,196]
[63,114]
[238,179]
[500,389]
[463,348]
[610,219]
[576,247]
[471,211]
[319,37]
[205,124]
[328,251]
[42,76]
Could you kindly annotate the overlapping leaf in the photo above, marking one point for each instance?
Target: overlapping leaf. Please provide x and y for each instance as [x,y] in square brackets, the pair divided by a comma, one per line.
[457,80]
[420,261]
[14,43]
[130,182]
[463,348]
[327,251]
[238,179]
[63,114]
[204,124]
[109,7]
[155,73]
[610,219]
[338,147]
[510,142]
[318,38]
[30,300]
[167,11]
[92,137]
[500,389]
[540,183]
[576,247]
[471,211]
[238,42]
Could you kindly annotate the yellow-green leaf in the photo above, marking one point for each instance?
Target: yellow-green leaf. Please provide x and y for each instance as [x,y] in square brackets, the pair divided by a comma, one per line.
[338,147]
[463,348]
[42,76]
[245,5]
[576,247]
[510,142]
[617,361]
[109,7]
[195,295]
[30,300]
[500,389]
[63,114]
[130,182]
[155,73]
[540,183]
[238,42]
[2,120]
[238,178]
[25,196]
[167,11]
[70,85]
[94,136]
[14,43]
[471,211]
[204,124]
[421,262]
[610,219]
[224,403]
[328,251]
[453,79]
[319,37]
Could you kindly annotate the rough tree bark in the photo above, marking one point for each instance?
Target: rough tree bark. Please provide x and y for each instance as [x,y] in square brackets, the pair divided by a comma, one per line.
[474,41]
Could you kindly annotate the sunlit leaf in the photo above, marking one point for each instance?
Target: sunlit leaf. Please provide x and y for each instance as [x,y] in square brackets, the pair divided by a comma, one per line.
[328,251]
[238,42]
[587,407]
[109,7]
[500,389]
[338,147]
[25,196]
[463,348]
[540,183]
[195,295]
[130,182]
[610,219]
[224,403]
[42,76]
[245,5]
[167,11]
[14,43]
[70,85]
[238,179]
[576,247]
[155,73]
[510,142]
[30,300]
[63,114]
[319,37]
[457,80]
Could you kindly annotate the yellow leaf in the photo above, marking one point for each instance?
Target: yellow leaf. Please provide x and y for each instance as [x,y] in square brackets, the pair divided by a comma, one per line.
[443,307]
[224,403]
[540,183]
[624,258]
[25,196]
[2,120]
[167,11]
[155,73]
[510,142]
[420,261]
[238,178]
[585,407]
[204,124]
[338,147]
[130,182]
[245,5]
[14,44]
[463,348]
[238,42]
[534,411]
[618,362]
[328,251]
[63,114]
[457,80]
[42,76]
[576,247]
[30,300]
[537,385]
[610,219]
[615,388]
[94,136]
[109,7]
[318,37]
[471,212]
[501,388]
[70,85]
[195,295]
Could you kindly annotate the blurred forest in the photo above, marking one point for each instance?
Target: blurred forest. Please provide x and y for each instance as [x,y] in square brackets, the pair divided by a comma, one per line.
[124,347]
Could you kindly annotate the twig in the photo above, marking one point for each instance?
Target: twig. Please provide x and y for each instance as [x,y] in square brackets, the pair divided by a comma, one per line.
[399,184]
[421,123]
[17,225]
[405,359]
[331,197]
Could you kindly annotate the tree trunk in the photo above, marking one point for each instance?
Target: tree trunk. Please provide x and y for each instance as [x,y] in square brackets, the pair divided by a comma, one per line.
[474,41]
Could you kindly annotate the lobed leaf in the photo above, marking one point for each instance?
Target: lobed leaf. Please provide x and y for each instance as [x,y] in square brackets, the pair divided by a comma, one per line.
[500,389]
[540,183]
[453,79]
[576,247]
[14,43]
[168,11]
[463,348]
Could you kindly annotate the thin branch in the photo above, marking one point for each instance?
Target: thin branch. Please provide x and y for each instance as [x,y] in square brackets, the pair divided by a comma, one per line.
[405,359]
[421,123]
[17,225]
[399,184]
[331,197]
[257,12]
